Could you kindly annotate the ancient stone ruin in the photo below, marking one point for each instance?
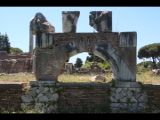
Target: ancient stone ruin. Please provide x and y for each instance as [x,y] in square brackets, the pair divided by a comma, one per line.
[54,49]
[101,20]
[15,63]
[69,21]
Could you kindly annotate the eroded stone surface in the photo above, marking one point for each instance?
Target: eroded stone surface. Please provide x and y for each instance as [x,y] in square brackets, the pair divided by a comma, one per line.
[101,20]
[118,90]
[42,94]
[40,27]
[131,96]
[104,45]
[69,21]
[124,99]
[27,98]
[98,77]
[39,23]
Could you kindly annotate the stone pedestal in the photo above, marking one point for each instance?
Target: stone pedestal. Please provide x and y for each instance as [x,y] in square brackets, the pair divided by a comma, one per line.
[69,21]
[101,20]
[42,96]
[128,96]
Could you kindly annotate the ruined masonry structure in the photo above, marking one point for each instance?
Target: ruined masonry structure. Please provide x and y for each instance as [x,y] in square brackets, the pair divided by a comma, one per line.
[54,49]
[119,49]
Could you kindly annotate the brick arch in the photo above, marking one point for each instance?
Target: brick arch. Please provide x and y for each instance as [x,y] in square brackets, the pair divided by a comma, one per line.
[119,49]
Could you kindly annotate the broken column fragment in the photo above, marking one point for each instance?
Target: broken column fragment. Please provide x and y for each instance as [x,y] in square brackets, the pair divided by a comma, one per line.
[69,21]
[101,20]
[43,30]
[40,24]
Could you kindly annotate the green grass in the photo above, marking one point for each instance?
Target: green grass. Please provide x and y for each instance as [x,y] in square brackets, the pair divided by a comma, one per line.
[18,77]
[148,78]
[144,77]
[81,77]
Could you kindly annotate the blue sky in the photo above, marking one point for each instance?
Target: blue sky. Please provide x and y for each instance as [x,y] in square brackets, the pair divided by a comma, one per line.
[144,20]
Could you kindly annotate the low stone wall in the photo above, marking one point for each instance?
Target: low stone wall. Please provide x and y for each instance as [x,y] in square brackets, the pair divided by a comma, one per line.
[10,94]
[15,65]
[19,56]
[51,96]
[3,55]
[79,95]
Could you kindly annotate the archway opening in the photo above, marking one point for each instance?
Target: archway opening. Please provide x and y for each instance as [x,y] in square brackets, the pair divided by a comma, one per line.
[84,67]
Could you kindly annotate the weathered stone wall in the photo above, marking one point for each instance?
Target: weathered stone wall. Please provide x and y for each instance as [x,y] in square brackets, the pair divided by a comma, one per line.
[42,96]
[78,95]
[51,96]
[119,49]
[10,94]
[15,65]
[19,56]
[153,92]
[117,96]
[3,55]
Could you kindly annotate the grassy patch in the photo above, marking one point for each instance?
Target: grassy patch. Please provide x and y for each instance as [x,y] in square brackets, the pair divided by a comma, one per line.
[18,77]
[145,77]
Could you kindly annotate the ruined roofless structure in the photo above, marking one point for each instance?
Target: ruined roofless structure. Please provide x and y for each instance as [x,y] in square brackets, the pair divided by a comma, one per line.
[54,49]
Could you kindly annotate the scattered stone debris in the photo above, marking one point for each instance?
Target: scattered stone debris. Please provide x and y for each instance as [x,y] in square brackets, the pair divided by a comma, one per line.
[98,77]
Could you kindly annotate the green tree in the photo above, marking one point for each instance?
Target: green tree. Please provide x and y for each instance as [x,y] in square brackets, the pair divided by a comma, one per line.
[87,64]
[158,64]
[15,50]
[150,51]
[78,63]
[104,65]
[93,58]
[4,43]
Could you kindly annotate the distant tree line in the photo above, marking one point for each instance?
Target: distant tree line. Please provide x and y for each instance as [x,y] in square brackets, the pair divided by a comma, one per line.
[5,45]
[92,59]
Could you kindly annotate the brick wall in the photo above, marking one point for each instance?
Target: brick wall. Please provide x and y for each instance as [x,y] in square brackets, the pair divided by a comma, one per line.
[78,95]
[15,63]
[19,56]
[153,92]
[10,94]
[72,95]
[16,66]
